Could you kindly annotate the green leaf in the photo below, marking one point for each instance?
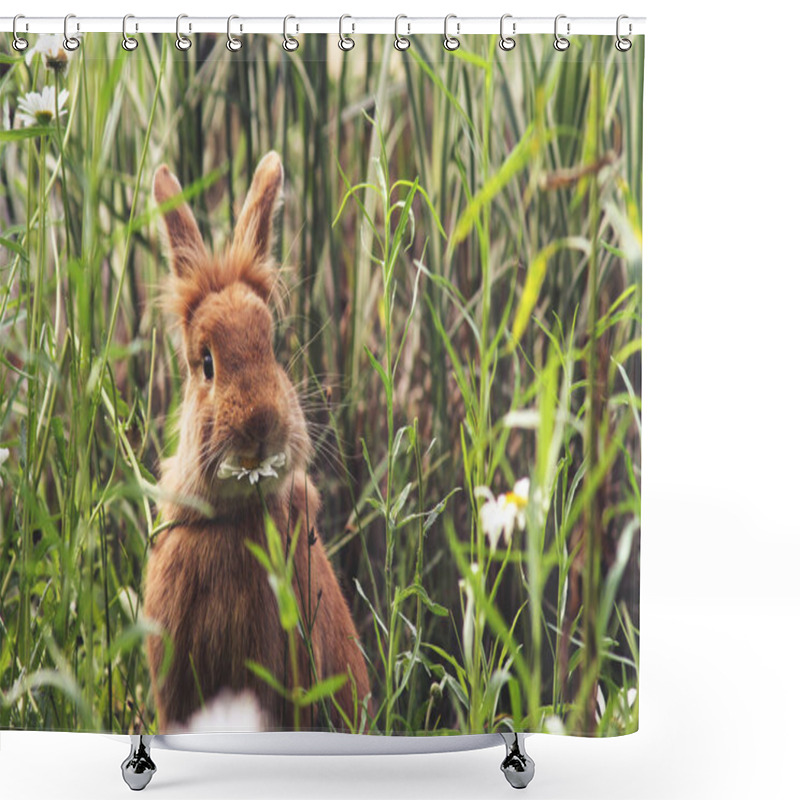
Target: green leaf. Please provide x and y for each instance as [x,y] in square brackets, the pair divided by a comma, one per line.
[398,440]
[613,250]
[446,656]
[268,678]
[406,215]
[397,507]
[61,447]
[434,514]
[261,555]
[326,688]
[375,484]
[375,615]
[132,637]
[20,134]
[428,202]
[380,370]
[534,280]
[526,149]
[417,590]
[449,682]
[609,592]
[631,394]
[14,247]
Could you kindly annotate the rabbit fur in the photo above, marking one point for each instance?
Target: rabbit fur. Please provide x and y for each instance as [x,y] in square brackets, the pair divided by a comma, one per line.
[204,587]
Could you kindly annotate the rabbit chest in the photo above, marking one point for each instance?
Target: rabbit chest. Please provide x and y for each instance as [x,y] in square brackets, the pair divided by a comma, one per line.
[213,600]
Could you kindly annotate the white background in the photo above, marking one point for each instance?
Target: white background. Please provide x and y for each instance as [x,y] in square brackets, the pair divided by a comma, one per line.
[721,538]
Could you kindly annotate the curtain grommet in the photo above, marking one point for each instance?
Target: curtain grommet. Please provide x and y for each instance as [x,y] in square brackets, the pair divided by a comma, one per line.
[290,44]
[346,42]
[401,43]
[561,43]
[71,43]
[233,44]
[449,42]
[182,42]
[623,44]
[20,44]
[128,42]
[507,42]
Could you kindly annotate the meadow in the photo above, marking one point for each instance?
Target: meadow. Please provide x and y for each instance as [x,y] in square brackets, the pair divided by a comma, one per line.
[461,245]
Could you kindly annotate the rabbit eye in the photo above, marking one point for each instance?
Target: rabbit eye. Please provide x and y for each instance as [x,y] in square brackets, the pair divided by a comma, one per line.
[208,364]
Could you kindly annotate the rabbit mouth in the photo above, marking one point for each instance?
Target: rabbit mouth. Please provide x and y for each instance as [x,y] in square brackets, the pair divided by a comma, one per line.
[252,468]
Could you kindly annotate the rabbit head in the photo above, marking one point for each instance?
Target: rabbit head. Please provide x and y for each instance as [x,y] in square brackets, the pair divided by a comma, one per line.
[241,421]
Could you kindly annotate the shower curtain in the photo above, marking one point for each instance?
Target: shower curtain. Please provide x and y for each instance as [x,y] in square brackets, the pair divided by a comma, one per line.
[320,385]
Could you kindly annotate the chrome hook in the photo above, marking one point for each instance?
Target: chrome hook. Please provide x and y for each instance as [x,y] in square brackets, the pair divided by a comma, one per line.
[128,42]
[506,42]
[560,43]
[71,43]
[19,44]
[290,44]
[401,42]
[623,44]
[346,42]
[451,42]
[233,44]
[181,41]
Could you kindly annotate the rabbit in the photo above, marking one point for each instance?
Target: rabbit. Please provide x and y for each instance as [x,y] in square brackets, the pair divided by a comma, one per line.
[242,436]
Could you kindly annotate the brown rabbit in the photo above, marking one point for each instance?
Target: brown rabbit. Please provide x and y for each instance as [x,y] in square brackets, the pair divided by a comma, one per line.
[240,413]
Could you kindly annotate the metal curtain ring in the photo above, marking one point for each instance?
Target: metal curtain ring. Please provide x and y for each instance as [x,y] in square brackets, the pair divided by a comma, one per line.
[19,44]
[70,42]
[450,42]
[234,44]
[623,44]
[401,42]
[128,42]
[181,41]
[560,43]
[290,44]
[346,42]
[506,42]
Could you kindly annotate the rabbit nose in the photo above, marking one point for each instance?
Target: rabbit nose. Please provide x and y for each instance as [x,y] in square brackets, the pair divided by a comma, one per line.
[257,425]
[256,428]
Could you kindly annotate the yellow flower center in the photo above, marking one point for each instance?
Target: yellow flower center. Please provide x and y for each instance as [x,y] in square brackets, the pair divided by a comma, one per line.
[517,499]
[44,116]
[56,61]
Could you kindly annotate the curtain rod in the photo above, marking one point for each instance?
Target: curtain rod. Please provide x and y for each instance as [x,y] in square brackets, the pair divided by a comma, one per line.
[406,25]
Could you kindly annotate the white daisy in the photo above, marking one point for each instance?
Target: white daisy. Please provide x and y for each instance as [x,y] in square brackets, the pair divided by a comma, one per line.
[3,458]
[228,713]
[52,49]
[254,471]
[500,515]
[40,108]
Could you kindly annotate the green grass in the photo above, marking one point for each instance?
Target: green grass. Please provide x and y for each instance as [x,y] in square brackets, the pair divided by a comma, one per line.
[462,237]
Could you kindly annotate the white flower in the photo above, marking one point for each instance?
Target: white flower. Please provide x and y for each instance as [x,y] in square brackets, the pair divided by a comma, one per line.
[554,724]
[52,50]
[3,458]
[499,515]
[41,108]
[254,472]
[229,713]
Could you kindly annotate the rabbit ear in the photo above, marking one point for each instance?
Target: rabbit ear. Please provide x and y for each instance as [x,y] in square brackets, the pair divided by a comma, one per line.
[185,243]
[254,227]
